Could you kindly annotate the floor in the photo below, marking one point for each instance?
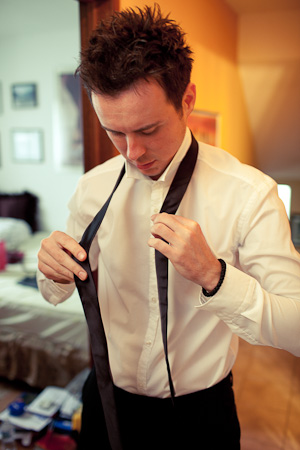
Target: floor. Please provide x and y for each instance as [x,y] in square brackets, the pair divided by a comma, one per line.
[267,390]
[8,393]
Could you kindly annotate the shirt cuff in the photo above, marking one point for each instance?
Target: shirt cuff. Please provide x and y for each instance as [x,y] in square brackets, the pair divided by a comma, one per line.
[53,292]
[232,295]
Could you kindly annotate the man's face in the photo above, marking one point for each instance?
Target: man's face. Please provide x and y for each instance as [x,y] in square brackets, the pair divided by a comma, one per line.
[143,125]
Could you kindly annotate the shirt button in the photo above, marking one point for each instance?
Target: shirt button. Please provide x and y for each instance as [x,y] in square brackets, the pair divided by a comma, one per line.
[156,210]
[148,343]
[154,300]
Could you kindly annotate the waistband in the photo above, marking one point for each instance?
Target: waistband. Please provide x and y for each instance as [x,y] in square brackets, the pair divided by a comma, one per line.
[202,395]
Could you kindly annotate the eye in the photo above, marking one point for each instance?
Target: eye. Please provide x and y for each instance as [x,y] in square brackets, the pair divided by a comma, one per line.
[116,133]
[149,132]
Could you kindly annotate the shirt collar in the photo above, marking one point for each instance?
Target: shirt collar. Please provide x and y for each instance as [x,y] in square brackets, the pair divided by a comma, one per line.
[168,174]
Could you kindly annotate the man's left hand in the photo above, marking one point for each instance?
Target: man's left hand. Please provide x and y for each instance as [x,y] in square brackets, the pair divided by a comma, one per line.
[181,240]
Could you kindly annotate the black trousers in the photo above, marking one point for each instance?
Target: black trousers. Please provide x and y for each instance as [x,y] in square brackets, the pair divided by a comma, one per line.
[205,420]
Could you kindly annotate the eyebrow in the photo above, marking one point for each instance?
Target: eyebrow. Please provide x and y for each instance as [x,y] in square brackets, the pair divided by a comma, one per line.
[147,127]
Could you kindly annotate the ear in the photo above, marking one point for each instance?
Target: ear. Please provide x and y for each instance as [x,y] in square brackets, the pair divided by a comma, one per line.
[189,99]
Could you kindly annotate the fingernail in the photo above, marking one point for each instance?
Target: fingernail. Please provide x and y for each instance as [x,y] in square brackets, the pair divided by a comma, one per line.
[81,255]
[82,275]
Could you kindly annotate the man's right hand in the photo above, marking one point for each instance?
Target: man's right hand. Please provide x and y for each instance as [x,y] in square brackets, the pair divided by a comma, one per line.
[55,261]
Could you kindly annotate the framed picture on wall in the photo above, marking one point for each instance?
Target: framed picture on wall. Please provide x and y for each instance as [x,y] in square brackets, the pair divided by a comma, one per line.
[27,145]
[1,99]
[24,95]
[205,126]
[68,134]
[295,227]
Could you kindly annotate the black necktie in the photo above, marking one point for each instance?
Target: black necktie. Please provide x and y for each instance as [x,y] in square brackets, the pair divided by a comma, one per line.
[89,298]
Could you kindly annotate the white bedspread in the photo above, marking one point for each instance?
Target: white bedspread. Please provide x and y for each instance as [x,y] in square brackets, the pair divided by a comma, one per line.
[40,344]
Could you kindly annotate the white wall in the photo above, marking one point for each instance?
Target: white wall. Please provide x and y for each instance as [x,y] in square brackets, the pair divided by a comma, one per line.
[38,53]
[269,58]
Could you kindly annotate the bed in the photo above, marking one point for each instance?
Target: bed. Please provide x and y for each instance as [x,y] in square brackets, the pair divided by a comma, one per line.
[40,344]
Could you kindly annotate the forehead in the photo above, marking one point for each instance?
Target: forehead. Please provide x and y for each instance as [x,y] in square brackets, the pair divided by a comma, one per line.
[143,89]
[142,103]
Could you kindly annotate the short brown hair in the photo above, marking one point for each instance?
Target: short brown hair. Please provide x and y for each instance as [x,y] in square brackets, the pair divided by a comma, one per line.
[133,45]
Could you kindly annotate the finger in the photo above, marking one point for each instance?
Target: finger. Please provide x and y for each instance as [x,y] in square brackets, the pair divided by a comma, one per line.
[183,221]
[168,227]
[162,224]
[173,222]
[162,231]
[55,260]
[170,219]
[59,276]
[161,246]
[67,243]
[62,271]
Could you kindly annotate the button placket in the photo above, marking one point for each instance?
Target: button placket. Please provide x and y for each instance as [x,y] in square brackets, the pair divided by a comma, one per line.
[154,316]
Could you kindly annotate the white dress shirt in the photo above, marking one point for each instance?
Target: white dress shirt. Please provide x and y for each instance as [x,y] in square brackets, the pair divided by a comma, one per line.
[243,221]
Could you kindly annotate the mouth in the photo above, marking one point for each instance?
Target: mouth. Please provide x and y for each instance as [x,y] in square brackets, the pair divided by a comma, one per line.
[146,166]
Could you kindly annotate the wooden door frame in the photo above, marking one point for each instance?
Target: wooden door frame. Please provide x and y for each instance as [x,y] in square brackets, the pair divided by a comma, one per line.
[97,146]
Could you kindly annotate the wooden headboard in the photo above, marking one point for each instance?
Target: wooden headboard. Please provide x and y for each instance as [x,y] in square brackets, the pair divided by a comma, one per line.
[20,206]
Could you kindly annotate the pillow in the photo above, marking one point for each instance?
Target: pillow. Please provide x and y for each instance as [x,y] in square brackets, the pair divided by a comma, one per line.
[14,232]
[20,206]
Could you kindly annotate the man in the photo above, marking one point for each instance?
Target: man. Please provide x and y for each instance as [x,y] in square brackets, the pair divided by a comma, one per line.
[232,268]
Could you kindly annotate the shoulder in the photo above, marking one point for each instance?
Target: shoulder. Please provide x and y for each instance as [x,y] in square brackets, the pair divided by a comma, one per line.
[101,179]
[103,172]
[94,187]
[217,165]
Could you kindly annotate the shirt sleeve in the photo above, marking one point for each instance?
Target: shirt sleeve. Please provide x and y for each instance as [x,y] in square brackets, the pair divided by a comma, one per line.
[260,297]
[54,292]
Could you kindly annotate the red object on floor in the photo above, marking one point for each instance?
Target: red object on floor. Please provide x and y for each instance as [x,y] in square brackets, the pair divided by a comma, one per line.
[54,441]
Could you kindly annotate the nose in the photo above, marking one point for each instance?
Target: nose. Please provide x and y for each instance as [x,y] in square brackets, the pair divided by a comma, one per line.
[135,148]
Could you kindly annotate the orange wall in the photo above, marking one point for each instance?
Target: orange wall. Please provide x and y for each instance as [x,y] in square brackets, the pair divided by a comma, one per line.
[211,29]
